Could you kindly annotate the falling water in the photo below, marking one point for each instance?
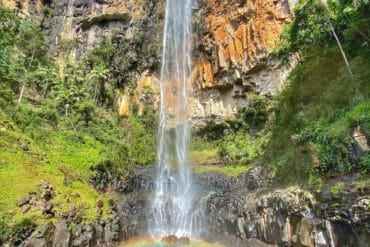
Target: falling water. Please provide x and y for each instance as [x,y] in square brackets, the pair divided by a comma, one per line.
[173,209]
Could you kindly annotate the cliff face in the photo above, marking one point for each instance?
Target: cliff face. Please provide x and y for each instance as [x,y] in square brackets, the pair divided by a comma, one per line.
[25,8]
[231,42]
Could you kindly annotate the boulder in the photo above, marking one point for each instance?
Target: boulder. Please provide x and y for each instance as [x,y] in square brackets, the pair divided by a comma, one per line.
[41,237]
[24,200]
[45,206]
[62,234]
[46,194]
[169,240]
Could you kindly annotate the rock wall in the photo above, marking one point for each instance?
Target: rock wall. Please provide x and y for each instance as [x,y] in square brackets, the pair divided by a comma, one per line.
[249,206]
[247,210]
[25,8]
[231,45]
[233,40]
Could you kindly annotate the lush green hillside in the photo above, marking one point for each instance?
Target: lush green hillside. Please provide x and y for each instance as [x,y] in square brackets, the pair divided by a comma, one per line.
[57,127]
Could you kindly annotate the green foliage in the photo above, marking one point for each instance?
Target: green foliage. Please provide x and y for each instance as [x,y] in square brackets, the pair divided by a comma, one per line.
[315,182]
[255,115]
[5,230]
[97,77]
[140,139]
[65,121]
[318,109]
[48,11]
[337,188]
[241,142]
[311,27]
[365,163]
[23,50]
[362,184]
[22,230]
[103,54]
[68,44]
[240,148]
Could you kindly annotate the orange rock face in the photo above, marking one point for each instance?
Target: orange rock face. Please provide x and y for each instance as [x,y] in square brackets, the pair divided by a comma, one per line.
[239,34]
[8,3]
[231,46]
[146,91]
[24,8]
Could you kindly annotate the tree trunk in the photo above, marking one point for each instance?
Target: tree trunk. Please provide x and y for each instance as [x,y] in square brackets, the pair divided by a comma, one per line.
[25,81]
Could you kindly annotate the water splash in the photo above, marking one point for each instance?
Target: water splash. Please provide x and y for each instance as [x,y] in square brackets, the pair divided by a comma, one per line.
[173,210]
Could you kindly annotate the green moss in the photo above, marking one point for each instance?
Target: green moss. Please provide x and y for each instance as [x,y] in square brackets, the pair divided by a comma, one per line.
[337,188]
[235,170]
[315,182]
[202,157]
[232,171]
[203,152]
[362,183]
[23,171]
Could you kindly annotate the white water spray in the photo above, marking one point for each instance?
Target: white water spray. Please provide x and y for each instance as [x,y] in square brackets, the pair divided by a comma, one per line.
[173,210]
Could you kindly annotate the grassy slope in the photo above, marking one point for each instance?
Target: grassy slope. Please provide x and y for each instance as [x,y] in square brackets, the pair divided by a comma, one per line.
[22,172]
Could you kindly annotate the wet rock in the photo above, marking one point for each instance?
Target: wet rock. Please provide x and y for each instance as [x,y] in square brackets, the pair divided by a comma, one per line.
[140,180]
[305,229]
[169,240]
[49,215]
[216,181]
[99,234]
[341,234]
[183,241]
[361,138]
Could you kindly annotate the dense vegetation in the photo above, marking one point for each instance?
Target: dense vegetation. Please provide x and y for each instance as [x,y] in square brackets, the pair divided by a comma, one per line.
[324,100]
[58,125]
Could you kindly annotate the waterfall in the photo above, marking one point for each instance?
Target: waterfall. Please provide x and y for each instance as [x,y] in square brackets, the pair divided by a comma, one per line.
[173,211]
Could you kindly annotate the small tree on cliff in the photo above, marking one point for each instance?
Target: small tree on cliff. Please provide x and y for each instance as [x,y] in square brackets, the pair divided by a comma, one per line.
[98,77]
[31,49]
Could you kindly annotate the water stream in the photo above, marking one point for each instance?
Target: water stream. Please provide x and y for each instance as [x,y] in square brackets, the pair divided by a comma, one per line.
[173,210]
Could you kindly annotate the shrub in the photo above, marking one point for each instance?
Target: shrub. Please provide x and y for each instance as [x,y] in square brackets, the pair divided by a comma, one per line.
[22,230]
[5,230]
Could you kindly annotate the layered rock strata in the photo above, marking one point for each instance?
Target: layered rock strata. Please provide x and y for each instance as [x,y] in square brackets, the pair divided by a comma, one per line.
[233,40]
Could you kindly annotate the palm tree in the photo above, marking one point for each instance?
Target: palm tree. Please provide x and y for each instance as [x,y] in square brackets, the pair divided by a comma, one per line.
[98,76]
